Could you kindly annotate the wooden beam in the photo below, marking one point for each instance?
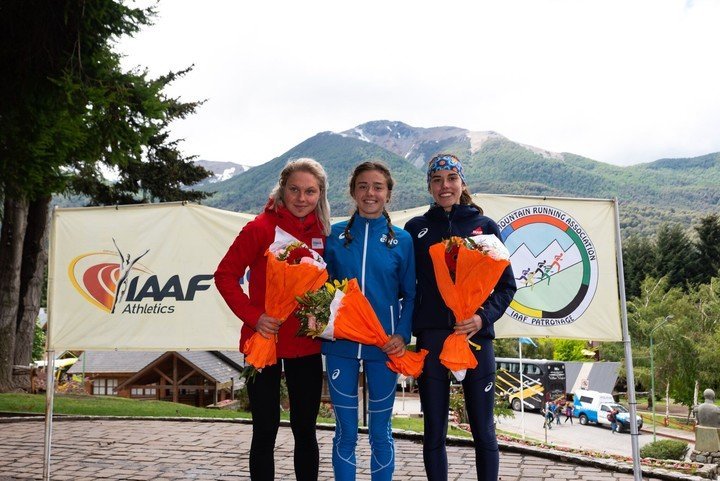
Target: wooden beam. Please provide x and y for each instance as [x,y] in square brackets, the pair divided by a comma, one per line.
[184,386]
[162,374]
[176,390]
[187,376]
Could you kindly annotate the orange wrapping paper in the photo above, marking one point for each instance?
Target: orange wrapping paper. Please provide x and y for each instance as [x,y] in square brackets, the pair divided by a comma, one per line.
[475,278]
[283,283]
[356,321]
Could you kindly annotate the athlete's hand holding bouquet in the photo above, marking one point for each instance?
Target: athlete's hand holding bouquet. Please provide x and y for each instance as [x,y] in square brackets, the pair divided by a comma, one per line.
[466,270]
[292,270]
[339,310]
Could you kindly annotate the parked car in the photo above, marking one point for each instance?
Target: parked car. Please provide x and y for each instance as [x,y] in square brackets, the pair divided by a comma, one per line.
[594,407]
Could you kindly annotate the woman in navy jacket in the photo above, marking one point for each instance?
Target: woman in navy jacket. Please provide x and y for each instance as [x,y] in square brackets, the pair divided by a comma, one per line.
[454,214]
[369,248]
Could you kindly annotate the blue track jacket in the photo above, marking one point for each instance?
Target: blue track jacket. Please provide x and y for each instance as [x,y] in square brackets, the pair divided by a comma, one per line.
[432,227]
[385,274]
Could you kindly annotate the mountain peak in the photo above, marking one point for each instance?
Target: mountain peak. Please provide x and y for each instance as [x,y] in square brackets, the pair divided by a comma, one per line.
[221,170]
[417,144]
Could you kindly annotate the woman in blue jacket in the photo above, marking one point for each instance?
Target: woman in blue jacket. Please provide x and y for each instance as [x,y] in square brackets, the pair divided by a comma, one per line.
[454,214]
[380,255]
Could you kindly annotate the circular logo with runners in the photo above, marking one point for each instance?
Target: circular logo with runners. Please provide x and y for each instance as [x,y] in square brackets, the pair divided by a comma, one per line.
[554,262]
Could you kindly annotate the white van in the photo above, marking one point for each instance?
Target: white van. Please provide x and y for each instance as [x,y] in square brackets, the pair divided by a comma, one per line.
[594,406]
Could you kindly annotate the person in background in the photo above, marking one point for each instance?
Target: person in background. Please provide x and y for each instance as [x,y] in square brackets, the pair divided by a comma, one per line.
[547,415]
[453,213]
[612,417]
[569,411]
[558,410]
[298,205]
[368,247]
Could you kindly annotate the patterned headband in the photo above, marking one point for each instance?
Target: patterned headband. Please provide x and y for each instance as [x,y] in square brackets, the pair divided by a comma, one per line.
[445,162]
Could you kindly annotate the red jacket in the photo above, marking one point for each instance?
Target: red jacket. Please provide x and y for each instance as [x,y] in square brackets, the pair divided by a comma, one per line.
[248,250]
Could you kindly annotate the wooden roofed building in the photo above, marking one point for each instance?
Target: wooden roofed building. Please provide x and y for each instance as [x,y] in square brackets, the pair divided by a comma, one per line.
[197,378]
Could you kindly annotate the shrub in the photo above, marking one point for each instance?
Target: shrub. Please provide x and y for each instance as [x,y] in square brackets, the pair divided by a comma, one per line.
[73,386]
[502,410]
[457,404]
[242,395]
[665,449]
[326,411]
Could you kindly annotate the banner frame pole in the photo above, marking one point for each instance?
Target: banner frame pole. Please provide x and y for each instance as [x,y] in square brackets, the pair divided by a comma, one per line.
[522,398]
[630,376]
[50,359]
[49,398]
[545,197]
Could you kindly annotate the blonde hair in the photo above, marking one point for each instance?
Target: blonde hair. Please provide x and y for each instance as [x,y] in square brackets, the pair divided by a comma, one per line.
[314,168]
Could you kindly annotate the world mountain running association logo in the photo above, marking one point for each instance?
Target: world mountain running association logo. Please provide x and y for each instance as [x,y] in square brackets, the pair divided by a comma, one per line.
[555,265]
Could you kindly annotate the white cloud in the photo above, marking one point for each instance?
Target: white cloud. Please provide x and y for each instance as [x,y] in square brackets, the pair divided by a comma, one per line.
[617,81]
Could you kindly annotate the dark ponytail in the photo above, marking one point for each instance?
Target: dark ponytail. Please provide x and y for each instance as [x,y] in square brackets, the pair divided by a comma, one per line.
[466,199]
[391,232]
[346,232]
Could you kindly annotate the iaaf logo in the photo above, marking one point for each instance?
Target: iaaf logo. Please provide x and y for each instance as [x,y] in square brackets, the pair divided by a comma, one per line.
[117,282]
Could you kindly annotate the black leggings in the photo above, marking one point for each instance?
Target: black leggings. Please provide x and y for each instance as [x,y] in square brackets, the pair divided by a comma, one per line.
[479,392]
[303,376]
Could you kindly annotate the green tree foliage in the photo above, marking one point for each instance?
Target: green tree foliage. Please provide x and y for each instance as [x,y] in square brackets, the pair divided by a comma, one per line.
[685,259]
[702,329]
[676,255]
[38,346]
[69,111]
[569,350]
[685,347]
[708,248]
[545,349]
[646,311]
[508,347]
[639,261]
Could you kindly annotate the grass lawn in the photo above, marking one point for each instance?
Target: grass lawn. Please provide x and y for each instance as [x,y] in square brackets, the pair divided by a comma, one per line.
[416,425]
[108,406]
[116,406]
[678,414]
[673,421]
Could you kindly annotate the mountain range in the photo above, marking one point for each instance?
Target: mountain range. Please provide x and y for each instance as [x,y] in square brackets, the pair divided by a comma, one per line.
[666,190]
[220,171]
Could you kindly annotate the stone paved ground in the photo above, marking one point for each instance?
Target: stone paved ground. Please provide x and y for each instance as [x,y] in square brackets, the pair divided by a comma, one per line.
[180,450]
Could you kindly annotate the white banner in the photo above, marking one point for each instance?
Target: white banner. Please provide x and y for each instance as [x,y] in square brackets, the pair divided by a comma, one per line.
[140,278]
[563,254]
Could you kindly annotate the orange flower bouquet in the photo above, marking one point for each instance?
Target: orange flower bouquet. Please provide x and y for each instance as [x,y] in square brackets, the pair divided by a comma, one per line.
[466,271]
[339,310]
[292,270]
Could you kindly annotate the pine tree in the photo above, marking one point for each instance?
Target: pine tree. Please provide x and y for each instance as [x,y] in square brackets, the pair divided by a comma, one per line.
[639,261]
[708,248]
[68,109]
[676,256]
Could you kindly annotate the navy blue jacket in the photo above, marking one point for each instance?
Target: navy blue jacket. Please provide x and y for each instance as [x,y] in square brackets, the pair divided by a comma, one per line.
[432,227]
[385,274]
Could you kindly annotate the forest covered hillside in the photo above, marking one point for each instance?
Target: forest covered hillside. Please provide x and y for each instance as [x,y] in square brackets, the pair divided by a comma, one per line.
[664,191]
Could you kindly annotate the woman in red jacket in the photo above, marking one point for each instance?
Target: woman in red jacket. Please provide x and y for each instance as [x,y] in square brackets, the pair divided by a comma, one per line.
[298,205]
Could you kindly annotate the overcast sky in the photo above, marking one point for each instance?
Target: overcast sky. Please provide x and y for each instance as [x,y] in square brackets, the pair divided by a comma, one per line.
[619,81]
